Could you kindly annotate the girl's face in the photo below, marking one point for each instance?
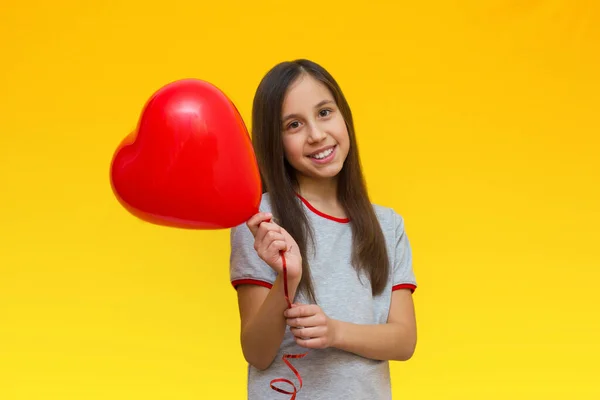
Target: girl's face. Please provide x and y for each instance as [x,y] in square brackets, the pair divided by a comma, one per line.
[315,136]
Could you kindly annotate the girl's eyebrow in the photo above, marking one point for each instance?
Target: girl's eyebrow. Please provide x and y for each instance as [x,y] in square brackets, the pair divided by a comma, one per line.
[319,104]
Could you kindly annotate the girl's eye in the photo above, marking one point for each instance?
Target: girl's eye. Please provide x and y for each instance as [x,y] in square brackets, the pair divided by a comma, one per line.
[294,125]
[324,113]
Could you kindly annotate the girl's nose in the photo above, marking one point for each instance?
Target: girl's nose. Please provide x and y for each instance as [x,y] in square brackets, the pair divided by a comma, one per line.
[316,134]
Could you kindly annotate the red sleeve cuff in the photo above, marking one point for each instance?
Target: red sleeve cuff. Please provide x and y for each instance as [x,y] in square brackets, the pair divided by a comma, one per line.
[404,286]
[238,282]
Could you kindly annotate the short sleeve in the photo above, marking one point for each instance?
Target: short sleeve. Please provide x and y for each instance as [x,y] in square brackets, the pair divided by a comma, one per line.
[403,274]
[245,266]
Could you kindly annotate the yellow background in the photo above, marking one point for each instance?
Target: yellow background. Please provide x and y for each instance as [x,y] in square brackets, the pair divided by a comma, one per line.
[477,121]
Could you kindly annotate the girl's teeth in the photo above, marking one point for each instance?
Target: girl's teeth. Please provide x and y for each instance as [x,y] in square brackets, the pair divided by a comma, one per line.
[323,154]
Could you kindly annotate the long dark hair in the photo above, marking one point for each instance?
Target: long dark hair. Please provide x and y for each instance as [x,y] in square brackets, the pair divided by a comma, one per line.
[369,252]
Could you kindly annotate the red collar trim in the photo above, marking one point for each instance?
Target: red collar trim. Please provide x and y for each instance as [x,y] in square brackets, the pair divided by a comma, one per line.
[322,214]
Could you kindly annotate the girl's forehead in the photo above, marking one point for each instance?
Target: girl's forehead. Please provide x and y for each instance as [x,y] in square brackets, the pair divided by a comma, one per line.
[305,93]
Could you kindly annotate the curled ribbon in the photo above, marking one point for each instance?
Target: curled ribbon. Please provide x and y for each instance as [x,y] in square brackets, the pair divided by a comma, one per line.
[286,357]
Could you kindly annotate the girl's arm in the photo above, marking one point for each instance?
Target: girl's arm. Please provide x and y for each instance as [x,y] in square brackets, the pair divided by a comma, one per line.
[395,340]
[262,321]
[261,309]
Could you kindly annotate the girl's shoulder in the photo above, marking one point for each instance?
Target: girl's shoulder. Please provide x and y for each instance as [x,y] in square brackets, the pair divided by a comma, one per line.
[388,217]
[265,203]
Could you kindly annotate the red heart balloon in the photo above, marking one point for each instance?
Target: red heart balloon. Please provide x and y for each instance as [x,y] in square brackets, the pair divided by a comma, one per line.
[190,162]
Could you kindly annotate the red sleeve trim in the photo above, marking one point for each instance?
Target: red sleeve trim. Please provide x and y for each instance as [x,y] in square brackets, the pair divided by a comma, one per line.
[404,286]
[239,282]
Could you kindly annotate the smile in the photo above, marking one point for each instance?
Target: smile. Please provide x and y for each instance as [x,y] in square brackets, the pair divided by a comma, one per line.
[324,155]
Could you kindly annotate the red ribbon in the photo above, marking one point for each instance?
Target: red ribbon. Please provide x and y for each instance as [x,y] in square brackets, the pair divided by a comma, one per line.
[286,357]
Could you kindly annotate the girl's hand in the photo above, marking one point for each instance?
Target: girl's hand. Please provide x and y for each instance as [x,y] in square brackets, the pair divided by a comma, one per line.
[269,240]
[310,326]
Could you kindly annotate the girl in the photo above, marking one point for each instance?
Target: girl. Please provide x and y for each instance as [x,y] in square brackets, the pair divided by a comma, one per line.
[349,262]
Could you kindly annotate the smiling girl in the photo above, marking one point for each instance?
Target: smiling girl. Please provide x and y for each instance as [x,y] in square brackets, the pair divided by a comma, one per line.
[349,262]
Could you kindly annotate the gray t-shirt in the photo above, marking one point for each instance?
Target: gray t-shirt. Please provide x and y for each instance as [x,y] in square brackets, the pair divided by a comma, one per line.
[343,295]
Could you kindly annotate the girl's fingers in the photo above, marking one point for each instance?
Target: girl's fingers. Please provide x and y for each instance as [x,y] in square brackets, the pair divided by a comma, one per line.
[302,310]
[311,321]
[270,253]
[312,343]
[264,230]
[276,246]
[306,333]
[255,221]
[272,242]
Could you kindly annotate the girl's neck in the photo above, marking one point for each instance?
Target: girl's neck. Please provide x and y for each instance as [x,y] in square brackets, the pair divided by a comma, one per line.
[317,190]
[321,194]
